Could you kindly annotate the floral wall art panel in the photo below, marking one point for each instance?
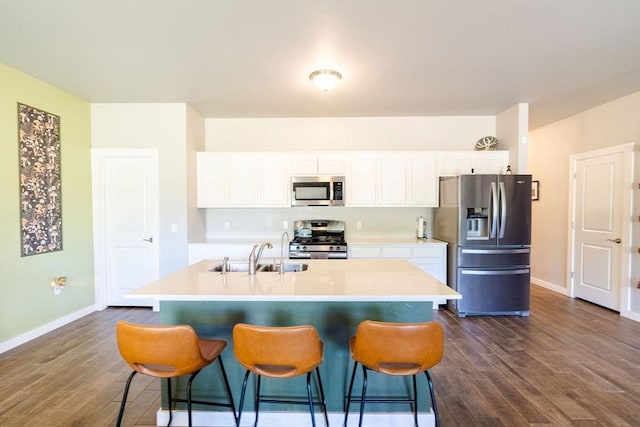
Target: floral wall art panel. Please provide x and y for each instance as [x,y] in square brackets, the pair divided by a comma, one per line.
[40,185]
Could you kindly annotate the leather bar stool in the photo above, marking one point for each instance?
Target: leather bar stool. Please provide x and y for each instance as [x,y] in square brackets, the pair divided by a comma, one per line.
[397,349]
[279,352]
[169,352]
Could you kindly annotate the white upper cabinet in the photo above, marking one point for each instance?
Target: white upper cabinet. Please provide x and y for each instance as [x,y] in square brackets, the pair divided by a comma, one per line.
[392,179]
[212,180]
[242,180]
[242,186]
[422,179]
[361,179]
[317,163]
[275,180]
[452,163]
[373,178]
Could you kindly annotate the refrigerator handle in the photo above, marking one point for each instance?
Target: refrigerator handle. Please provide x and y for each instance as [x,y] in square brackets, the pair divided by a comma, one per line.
[494,210]
[503,210]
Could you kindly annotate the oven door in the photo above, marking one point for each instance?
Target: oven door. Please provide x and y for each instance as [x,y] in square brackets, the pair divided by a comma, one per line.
[317,255]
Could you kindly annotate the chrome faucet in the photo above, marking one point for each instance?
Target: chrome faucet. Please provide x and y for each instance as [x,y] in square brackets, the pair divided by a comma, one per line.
[225,265]
[254,259]
[282,241]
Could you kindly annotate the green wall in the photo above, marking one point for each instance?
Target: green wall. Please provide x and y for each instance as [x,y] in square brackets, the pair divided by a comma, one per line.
[27,301]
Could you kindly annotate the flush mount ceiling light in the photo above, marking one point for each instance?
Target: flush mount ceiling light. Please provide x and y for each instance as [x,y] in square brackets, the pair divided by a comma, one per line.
[325,79]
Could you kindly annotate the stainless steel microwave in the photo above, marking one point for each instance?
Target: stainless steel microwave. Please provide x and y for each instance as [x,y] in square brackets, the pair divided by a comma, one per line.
[319,190]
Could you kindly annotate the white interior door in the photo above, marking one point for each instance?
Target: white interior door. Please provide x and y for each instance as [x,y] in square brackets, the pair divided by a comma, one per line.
[598,230]
[127,242]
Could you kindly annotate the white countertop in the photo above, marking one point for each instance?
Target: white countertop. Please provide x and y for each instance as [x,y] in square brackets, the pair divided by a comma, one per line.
[400,241]
[374,240]
[349,280]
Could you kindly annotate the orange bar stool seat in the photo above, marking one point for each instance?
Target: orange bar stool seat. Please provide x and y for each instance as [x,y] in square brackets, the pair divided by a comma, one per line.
[397,349]
[279,352]
[169,352]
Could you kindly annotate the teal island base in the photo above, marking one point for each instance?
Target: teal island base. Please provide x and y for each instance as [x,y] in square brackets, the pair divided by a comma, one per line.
[336,322]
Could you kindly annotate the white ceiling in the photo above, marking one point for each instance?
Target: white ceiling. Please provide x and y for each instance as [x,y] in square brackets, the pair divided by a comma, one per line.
[252,58]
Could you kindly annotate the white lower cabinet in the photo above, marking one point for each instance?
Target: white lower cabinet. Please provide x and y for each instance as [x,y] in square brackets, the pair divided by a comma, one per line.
[430,257]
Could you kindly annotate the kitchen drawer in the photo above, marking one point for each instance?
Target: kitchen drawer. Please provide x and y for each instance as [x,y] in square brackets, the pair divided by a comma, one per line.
[404,253]
[429,252]
[364,252]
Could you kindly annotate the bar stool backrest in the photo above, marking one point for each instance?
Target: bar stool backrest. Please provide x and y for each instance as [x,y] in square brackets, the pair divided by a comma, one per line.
[160,351]
[398,348]
[281,352]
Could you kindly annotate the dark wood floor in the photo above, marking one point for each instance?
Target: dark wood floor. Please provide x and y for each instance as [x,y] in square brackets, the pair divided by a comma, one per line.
[569,364]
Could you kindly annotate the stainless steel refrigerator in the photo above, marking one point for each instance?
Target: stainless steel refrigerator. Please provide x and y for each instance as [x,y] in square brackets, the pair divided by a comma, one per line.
[486,221]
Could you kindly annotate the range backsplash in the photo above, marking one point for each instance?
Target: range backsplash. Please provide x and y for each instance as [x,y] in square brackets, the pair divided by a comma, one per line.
[253,223]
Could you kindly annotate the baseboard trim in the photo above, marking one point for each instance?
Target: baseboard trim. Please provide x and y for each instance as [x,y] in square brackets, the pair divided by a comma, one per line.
[279,419]
[551,286]
[630,315]
[44,329]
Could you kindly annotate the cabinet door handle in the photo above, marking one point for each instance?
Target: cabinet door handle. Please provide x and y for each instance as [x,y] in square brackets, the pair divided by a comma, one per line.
[617,240]
[150,240]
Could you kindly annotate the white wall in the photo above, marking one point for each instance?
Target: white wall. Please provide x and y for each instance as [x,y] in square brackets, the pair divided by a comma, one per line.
[163,127]
[347,133]
[613,123]
[511,130]
[196,220]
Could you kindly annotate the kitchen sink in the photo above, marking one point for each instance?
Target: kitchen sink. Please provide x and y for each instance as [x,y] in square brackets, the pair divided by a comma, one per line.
[243,267]
[289,267]
[233,267]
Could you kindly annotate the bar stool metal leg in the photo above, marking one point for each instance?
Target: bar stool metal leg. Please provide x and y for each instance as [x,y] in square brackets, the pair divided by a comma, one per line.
[322,398]
[346,409]
[244,389]
[364,394]
[124,398]
[310,397]
[228,388]
[170,400]
[414,407]
[257,400]
[433,398]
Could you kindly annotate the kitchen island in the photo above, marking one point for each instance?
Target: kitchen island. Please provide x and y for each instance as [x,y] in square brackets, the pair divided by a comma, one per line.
[332,295]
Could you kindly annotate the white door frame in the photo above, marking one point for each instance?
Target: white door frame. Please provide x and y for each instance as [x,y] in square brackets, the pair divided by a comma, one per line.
[628,150]
[98,156]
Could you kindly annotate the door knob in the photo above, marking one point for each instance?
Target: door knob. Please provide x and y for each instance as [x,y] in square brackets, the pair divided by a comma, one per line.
[618,240]
[150,240]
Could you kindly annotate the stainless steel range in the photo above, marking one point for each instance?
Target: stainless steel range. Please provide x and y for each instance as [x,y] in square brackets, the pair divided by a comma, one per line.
[318,238]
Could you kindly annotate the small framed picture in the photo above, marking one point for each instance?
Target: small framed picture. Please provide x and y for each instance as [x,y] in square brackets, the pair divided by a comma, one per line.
[535,190]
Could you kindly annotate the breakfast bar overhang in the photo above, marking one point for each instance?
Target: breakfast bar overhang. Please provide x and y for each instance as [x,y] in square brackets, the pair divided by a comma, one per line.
[332,295]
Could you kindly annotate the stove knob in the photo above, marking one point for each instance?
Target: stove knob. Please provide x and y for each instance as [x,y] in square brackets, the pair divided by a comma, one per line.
[330,248]
[304,248]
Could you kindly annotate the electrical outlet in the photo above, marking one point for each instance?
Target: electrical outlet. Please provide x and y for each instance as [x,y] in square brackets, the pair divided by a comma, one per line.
[285,225]
[226,225]
[358,225]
